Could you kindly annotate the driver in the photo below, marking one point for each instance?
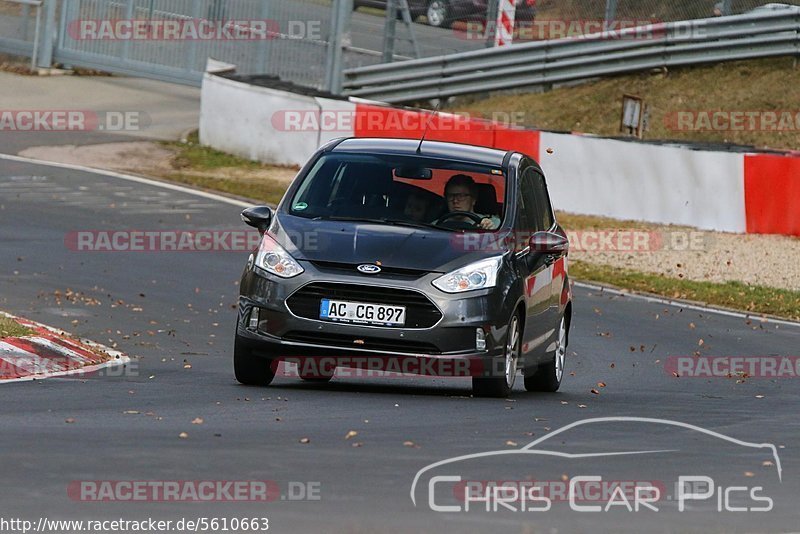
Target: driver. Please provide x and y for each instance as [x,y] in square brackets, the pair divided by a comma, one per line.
[461,193]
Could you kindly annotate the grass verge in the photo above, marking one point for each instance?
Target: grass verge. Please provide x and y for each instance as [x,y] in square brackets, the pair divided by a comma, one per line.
[207,168]
[11,328]
[736,295]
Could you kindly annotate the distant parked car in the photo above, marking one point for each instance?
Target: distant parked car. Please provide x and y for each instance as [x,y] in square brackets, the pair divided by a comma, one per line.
[768,8]
[442,13]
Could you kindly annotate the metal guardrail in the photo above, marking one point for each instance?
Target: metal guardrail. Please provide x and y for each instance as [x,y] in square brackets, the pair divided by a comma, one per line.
[543,63]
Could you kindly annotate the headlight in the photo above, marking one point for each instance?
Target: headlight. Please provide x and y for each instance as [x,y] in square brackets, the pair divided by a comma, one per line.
[478,275]
[274,259]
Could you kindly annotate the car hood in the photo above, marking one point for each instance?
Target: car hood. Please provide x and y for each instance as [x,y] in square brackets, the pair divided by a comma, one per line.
[400,247]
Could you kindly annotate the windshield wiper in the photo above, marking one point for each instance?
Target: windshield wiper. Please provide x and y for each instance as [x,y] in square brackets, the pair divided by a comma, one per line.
[412,224]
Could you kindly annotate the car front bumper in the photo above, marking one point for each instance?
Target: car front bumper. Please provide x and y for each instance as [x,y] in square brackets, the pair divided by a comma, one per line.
[282,334]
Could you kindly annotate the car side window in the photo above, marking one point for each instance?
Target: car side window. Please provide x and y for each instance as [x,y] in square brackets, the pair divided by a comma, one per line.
[528,203]
[544,209]
[537,201]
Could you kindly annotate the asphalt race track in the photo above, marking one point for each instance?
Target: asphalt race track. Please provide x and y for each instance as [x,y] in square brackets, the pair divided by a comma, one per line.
[174,311]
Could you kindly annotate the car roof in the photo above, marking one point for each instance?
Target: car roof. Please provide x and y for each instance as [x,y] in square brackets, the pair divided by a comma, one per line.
[433,149]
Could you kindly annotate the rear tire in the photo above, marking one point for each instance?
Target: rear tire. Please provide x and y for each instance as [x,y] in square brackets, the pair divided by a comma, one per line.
[548,377]
[249,369]
[502,386]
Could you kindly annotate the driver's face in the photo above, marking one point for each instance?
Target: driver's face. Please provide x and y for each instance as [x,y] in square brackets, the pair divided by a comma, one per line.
[459,199]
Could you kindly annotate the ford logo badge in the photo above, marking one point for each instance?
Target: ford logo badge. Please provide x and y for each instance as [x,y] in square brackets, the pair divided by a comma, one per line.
[368,269]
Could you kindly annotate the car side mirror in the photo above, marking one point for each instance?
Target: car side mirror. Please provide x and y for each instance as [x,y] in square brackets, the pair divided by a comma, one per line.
[259,217]
[549,243]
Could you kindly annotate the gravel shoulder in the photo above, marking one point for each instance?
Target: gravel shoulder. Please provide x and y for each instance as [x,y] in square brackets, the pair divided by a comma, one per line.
[762,260]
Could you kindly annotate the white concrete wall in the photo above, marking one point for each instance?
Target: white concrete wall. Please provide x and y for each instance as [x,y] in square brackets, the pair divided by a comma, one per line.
[660,184]
[249,121]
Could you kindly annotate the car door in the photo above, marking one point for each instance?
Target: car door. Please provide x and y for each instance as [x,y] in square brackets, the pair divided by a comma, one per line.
[535,271]
[556,262]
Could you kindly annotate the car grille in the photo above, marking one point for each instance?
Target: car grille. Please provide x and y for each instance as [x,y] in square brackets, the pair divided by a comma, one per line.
[349,268]
[420,311]
[374,343]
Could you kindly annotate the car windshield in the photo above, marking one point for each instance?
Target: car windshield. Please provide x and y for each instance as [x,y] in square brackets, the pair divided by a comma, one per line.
[402,190]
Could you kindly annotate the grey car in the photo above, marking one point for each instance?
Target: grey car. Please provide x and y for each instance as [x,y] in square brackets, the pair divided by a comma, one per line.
[401,250]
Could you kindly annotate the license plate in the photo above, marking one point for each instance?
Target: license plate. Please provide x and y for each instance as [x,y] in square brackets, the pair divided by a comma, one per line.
[362,313]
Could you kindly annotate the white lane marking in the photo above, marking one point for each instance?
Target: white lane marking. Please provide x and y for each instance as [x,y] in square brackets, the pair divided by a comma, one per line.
[129,177]
[686,305]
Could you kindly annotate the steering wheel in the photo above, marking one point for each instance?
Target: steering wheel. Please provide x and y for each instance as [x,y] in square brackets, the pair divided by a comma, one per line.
[461,225]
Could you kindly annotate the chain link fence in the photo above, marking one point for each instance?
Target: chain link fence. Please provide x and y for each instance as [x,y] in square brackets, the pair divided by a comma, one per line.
[288,39]
[18,26]
[310,42]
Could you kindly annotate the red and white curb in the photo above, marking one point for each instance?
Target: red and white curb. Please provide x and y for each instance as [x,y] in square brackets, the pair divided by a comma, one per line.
[50,353]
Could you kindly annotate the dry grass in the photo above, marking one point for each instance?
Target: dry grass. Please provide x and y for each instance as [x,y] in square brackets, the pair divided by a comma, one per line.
[11,328]
[754,299]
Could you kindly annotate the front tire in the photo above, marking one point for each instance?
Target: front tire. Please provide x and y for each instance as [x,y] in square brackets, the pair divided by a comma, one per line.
[249,369]
[502,386]
[547,377]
